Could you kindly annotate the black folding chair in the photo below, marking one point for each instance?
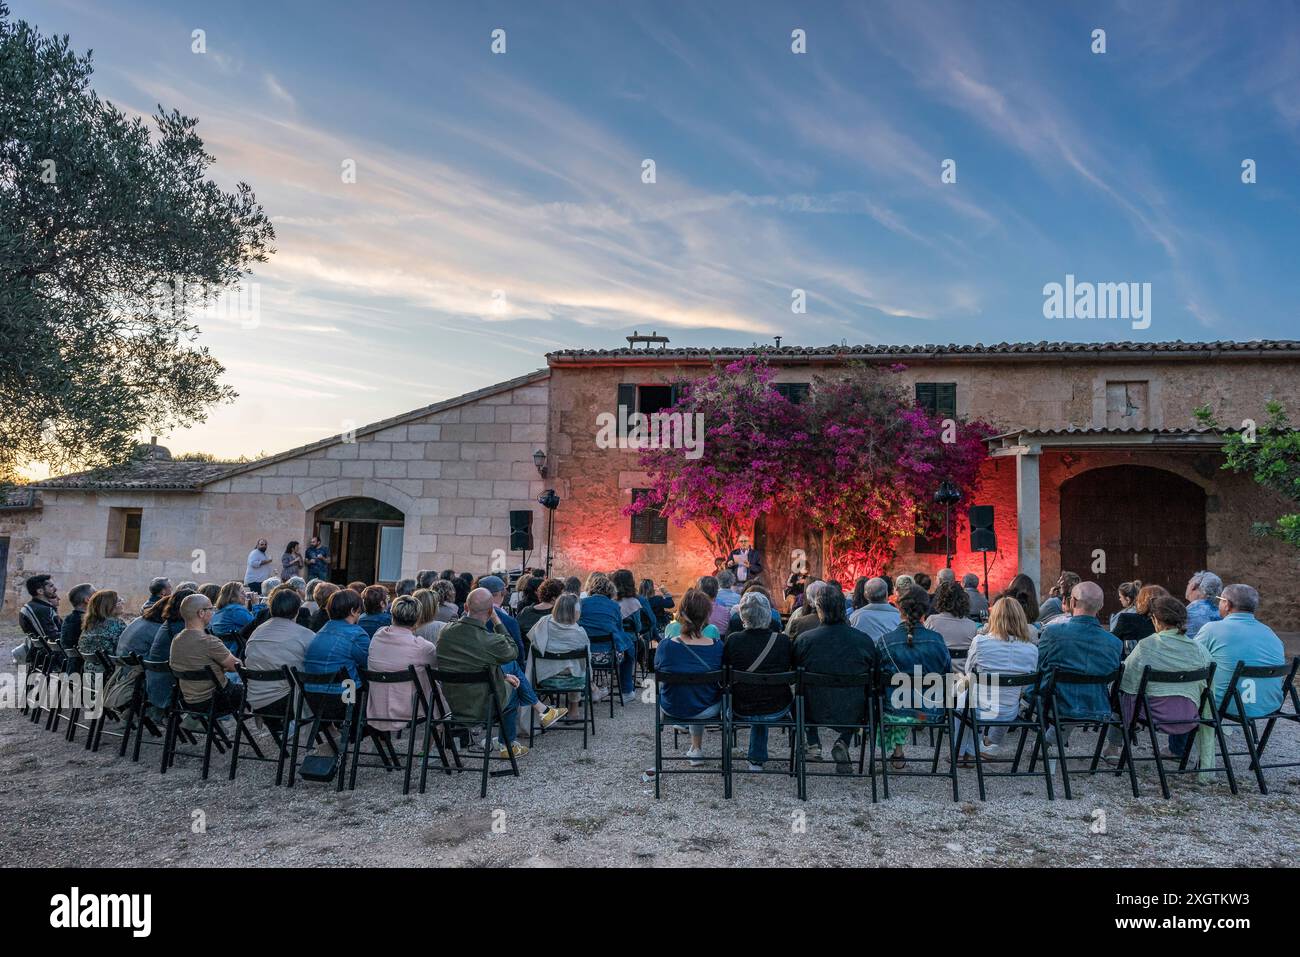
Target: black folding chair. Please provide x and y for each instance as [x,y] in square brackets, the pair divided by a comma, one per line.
[383,738]
[733,722]
[715,678]
[807,684]
[245,715]
[206,713]
[559,687]
[607,663]
[1142,717]
[982,683]
[136,713]
[449,724]
[51,694]
[1255,744]
[95,726]
[36,661]
[342,715]
[638,626]
[72,692]
[939,724]
[1060,720]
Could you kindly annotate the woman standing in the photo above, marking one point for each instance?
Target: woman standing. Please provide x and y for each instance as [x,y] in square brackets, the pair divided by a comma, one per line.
[291,562]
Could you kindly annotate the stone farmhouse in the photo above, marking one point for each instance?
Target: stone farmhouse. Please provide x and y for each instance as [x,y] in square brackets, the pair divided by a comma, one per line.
[1097,450]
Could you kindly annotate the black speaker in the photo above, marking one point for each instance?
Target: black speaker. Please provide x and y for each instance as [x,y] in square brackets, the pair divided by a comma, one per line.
[982,538]
[521,530]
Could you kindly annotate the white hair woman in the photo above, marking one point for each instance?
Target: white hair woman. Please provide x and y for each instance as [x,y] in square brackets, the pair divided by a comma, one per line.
[557,632]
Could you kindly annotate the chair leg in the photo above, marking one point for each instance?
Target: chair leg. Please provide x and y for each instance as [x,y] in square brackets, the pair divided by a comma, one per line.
[1252,748]
[1223,749]
[1155,750]
[1060,757]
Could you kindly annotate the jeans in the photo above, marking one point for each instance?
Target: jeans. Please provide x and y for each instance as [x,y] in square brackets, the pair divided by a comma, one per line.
[712,711]
[1179,743]
[758,733]
[510,715]
[525,692]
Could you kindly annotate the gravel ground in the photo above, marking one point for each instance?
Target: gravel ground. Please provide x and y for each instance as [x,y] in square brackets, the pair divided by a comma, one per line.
[60,805]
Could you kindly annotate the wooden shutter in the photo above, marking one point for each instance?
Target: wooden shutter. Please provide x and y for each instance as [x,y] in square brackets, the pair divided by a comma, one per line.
[627,399]
[648,526]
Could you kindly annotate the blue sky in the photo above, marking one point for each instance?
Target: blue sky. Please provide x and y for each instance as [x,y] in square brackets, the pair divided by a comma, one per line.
[499,210]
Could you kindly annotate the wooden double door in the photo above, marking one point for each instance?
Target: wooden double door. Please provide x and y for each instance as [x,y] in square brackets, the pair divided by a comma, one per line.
[1148,523]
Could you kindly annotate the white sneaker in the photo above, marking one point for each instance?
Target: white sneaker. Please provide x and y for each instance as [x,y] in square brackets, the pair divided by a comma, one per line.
[696,756]
[681,729]
[755,767]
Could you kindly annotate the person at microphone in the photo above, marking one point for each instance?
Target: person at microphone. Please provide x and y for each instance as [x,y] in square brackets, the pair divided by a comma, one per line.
[745,562]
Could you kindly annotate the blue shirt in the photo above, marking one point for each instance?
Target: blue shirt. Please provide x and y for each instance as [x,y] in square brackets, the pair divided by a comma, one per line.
[317,562]
[675,657]
[159,684]
[337,645]
[602,616]
[230,619]
[1200,613]
[372,623]
[512,628]
[1080,645]
[1243,637]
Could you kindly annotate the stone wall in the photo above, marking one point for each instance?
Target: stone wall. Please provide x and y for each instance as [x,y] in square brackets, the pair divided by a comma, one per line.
[455,474]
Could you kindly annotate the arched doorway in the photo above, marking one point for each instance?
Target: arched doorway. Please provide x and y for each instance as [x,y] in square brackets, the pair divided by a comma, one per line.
[1149,523]
[364,536]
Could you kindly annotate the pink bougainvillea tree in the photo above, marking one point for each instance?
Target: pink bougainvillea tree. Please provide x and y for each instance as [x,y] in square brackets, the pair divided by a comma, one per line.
[857,460]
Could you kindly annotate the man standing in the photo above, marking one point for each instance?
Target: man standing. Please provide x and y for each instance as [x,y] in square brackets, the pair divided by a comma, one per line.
[318,560]
[745,562]
[70,631]
[470,644]
[259,567]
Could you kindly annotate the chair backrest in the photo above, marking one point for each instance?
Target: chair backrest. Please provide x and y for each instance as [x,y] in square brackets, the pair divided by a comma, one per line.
[735,677]
[158,667]
[271,676]
[1011,680]
[323,678]
[1062,677]
[689,677]
[576,653]
[1150,675]
[483,677]
[818,679]
[389,677]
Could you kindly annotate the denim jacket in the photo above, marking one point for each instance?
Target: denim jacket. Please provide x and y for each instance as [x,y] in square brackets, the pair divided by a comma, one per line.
[602,616]
[927,652]
[1081,645]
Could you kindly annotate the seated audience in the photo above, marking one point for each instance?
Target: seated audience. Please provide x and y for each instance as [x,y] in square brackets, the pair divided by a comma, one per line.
[691,651]
[405,586]
[196,650]
[951,617]
[875,616]
[160,684]
[1240,636]
[374,601]
[902,651]
[1130,629]
[602,620]
[232,615]
[397,647]
[277,642]
[979,605]
[1054,609]
[553,633]
[210,591]
[758,648]
[497,587]
[1006,648]
[549,590]
[837,648]
[630,603]
[139,634]
[1202,595]
[101,629]
[1080,644]
[472,643]
[340,644]
[445,592]
[805,619]
[1174,707]
[322,598]
[427,626]
[659,599]
[734,623]
[159,588]
[70,632]
[1127,593]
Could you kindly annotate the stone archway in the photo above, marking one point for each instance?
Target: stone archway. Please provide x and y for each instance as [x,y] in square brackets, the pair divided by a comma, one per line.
[1149,523]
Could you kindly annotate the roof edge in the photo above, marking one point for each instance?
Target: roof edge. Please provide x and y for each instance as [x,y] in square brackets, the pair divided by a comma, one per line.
[528,379]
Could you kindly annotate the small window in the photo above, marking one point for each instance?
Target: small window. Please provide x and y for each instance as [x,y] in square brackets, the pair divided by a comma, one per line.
[938,398]
[653,398]
[124,529]
[648,526]
[794,392]
[928,545]
[1126,405]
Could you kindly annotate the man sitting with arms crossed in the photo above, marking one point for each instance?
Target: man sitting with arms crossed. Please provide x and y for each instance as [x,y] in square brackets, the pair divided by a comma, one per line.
[194,649]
